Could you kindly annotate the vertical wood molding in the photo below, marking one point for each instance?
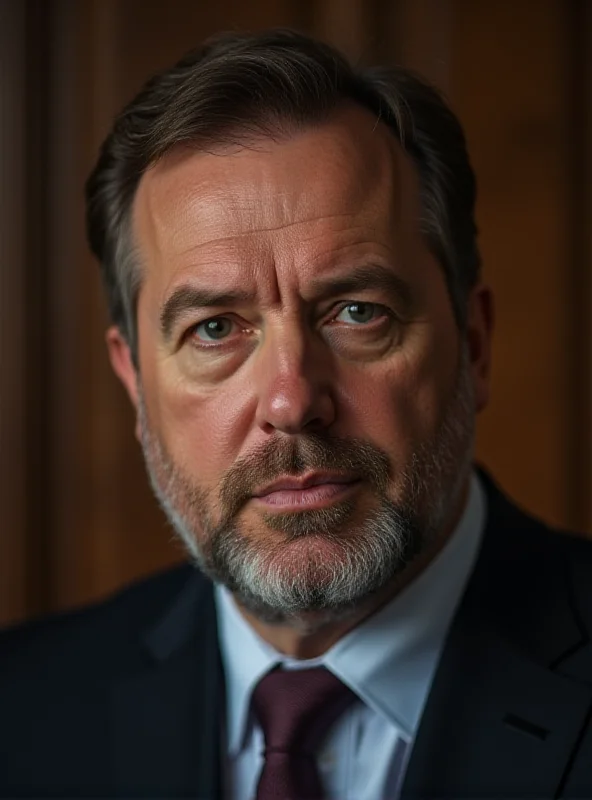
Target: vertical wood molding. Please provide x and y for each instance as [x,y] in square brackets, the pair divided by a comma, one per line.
[578,262]
[72,563]
[511,83]
[12,312]
[583,100]
[38,279]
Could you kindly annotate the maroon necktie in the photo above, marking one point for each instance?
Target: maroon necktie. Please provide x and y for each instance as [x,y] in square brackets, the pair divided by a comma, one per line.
[295,709]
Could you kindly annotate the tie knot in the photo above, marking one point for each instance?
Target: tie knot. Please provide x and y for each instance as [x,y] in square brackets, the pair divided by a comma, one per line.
[296,708]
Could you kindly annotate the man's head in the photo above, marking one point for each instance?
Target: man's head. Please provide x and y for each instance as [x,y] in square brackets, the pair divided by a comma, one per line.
[289,250]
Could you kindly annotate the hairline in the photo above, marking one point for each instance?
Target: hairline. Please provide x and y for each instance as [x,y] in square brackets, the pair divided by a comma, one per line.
[271,127]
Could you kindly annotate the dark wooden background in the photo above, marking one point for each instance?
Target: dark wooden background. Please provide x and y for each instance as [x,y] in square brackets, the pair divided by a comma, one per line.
[77,518]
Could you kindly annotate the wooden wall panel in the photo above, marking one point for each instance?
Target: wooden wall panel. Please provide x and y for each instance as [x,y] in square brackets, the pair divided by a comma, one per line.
[75,549]
[66,429]
[584,221]
[346,24]
[13,440]
[421,32]
[510,79]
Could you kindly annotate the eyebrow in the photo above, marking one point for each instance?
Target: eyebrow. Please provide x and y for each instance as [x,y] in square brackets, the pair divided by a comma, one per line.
[374,276]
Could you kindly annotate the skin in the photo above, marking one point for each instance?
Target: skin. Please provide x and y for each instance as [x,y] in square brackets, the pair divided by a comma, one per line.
[274,219]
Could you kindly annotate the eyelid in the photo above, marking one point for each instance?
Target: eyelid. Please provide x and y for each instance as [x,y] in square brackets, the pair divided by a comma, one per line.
[343,304]
[239,328]
[335,310]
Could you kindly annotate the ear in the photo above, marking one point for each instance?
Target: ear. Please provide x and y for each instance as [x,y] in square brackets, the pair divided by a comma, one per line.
[122,362]
[480,324]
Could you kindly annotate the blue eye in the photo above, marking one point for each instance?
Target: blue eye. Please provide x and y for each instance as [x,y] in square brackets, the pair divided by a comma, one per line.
[214,329]
[359,313]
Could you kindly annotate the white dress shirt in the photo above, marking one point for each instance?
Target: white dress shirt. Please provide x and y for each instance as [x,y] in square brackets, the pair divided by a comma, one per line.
[388,660]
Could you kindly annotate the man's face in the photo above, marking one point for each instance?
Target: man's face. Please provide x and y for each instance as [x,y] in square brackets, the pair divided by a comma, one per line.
[305,401]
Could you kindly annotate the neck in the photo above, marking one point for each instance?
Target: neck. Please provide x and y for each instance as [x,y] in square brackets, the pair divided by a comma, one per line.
[310,636]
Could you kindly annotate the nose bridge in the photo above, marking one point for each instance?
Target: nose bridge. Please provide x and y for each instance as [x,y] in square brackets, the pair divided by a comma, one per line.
[289,343]
[293,378]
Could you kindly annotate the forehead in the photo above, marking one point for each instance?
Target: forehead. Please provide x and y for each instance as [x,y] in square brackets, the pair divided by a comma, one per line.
[346,174]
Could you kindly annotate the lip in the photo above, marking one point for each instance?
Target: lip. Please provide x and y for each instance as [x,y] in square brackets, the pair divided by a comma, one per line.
[291,483]
[306,493]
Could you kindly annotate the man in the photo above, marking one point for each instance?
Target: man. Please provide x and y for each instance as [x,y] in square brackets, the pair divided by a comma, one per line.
[290,256]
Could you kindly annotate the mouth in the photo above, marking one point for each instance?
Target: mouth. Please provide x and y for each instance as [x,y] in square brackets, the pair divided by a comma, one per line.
[307,492]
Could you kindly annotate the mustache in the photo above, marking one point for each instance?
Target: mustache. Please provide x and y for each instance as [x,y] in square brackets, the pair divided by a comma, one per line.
[279,457]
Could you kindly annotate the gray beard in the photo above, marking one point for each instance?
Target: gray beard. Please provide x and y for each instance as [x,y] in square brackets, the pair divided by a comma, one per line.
[261,571]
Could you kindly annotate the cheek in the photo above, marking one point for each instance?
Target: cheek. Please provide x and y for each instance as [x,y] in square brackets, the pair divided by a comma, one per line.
[399,404]
[198,427]
[200,430]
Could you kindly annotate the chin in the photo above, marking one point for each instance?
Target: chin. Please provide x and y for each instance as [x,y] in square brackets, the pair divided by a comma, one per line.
[316,556]
[308,582]
[306,618]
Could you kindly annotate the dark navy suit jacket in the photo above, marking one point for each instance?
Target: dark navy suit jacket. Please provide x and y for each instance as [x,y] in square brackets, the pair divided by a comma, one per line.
[125,699]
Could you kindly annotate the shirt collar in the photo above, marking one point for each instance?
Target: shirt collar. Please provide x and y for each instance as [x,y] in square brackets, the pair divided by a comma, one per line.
[389,659]
[246,658]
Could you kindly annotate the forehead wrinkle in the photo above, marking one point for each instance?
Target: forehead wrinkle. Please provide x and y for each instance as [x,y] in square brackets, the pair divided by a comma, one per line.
[373,197]
[264,265]
[240,235]
[213,197]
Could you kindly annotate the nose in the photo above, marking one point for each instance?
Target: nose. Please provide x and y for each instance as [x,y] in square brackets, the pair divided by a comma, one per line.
[294,385]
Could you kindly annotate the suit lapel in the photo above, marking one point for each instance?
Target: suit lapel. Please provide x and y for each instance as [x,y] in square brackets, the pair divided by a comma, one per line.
[496,724]
[166,731]
[500,720]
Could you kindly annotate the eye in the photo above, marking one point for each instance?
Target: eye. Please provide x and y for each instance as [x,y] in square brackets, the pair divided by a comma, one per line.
[214,329]
[360,313]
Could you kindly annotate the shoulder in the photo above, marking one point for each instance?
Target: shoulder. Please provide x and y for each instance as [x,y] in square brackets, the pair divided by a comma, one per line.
[97,634]
[525,532]
[545,565]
